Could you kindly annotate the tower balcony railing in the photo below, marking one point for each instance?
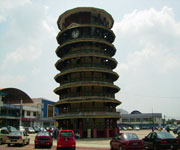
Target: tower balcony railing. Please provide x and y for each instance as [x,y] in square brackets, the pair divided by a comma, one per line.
[73,66]
[87,51]
[87,94]
[86,79]
[88,114]
[99,34]
[76,110]
[87,37]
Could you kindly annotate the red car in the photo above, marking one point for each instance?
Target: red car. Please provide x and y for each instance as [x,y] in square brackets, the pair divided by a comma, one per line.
[126,141]
[43,138]
[66,139]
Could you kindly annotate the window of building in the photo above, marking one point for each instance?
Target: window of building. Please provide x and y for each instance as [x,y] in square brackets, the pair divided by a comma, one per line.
[125,120]
[34,114]
[138,120]
[28,113]
[132,120]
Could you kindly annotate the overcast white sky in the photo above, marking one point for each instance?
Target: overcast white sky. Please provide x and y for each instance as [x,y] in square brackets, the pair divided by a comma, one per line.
[147,43]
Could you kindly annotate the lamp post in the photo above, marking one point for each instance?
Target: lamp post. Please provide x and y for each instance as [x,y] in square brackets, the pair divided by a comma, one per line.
[20,120]
[38,116]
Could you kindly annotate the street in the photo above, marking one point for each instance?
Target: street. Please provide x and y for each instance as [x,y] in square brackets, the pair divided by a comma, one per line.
[82,144]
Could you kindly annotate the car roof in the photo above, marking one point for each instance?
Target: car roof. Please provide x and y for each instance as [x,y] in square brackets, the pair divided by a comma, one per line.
[66,130]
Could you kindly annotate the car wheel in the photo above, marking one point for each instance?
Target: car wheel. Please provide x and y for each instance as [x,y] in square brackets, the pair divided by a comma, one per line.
[23,143]
[154,147]
[9,144]
[36,146]
[0,141]
[111,147]
[28,141]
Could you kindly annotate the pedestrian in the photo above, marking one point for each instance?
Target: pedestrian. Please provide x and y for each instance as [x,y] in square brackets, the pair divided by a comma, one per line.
[167,128]
[152,129]
[77,135]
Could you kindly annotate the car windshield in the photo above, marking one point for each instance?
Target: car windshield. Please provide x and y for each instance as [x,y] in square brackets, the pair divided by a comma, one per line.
[43,134]
[130,136]
[66,134]
[15,133]
[163,135]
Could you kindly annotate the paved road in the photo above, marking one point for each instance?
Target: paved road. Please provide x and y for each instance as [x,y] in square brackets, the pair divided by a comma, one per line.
[82,144]
[31,147]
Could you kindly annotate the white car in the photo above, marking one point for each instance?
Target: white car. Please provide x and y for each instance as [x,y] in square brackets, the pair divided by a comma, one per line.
[17,137]
[136,128]
[21,128]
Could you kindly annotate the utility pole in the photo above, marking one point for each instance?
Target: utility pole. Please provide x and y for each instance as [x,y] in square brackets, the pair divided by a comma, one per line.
[20,120]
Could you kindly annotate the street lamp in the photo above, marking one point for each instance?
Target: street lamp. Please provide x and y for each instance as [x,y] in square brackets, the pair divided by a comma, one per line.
[20,121]
[39,109]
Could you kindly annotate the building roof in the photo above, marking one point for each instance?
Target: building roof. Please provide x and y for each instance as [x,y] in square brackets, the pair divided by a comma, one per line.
[14,96]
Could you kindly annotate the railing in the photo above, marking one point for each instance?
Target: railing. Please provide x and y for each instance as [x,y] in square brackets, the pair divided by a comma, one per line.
[86,79]
[77,110]
[101,35]
[9,115]
[73,66]
[75,114]
[85,94]
[87,51]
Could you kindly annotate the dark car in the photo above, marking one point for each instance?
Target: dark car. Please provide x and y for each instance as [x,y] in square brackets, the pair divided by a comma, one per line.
[37,129]
[43,138]
[126,141]
[66,139]
[161,141]
[176,130]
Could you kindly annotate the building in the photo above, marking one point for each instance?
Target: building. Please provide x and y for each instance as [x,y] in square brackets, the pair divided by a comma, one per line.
[87,102]
[11,106]
[17,108]
[142,120]
[46,113]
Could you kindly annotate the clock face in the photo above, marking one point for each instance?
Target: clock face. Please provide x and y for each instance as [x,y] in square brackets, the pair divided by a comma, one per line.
[75,33]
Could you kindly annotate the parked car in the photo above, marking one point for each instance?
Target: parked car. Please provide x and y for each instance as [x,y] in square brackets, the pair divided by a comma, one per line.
[9,128]
[21,128]
[125,141]
[178,132]
[37,129]
[18,137]
[43,138]
[29,130]
[3,135]
[161,140]
[136,128]
[66,139]
[176,129]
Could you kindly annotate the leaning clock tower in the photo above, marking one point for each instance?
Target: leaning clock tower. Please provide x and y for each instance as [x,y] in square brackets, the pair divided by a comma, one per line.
[87,102]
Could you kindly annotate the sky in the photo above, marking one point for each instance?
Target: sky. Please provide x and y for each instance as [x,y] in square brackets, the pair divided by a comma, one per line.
[147,42]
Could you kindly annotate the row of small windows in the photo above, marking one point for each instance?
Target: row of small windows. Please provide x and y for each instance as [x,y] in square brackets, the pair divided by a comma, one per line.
[137,120]
[28,113]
